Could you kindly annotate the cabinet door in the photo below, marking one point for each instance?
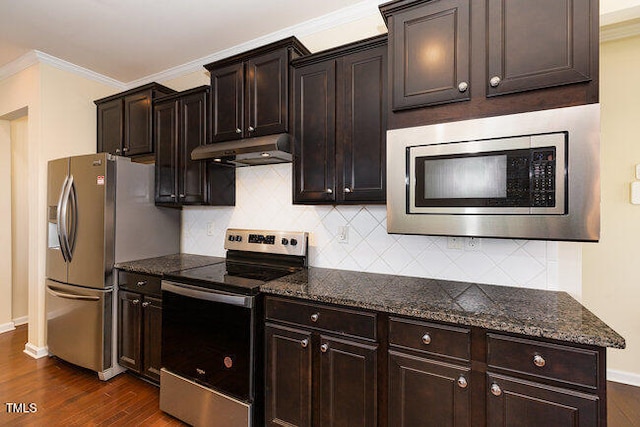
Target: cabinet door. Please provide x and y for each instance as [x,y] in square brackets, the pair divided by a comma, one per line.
[129,330]
[110,127]
[348,386]
[152,333]
[288,377]
[431,54]
[227,106]
[137,124]
[516,402]
[166,137]
[267,94]
[315,133]
[424,392]
[362,126]
[537,44]
[192,173]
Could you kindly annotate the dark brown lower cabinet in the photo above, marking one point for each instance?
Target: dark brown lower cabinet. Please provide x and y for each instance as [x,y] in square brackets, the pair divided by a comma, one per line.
[517,402]
[425,392]
[139,331]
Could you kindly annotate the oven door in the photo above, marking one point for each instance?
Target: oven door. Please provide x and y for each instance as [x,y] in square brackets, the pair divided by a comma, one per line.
[207,337]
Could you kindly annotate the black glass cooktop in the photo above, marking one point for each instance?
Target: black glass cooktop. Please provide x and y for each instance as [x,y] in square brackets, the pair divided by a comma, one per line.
[230,276]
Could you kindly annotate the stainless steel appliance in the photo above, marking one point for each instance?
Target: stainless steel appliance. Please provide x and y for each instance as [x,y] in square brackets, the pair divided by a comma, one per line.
[100,211]
[532,175]
[212,335]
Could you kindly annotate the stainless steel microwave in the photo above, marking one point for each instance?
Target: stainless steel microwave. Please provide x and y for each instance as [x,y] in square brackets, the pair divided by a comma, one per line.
[531,175]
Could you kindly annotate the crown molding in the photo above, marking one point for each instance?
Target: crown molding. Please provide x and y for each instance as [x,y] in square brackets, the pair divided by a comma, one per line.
[620,24]
[331,20]
[25,61]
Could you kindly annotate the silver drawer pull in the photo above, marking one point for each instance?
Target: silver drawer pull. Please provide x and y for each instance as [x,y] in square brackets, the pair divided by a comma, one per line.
[315,317]
[304,343]
[141,283]
[324,347]
[426,339]
[495,389]
[539,361]
[462,382]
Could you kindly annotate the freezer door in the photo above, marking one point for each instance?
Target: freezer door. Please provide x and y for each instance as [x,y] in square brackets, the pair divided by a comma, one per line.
[90,212]
[79,325]
[57,178]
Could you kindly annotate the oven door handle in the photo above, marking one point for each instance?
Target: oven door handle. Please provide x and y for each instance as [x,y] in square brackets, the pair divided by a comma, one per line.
[208,295]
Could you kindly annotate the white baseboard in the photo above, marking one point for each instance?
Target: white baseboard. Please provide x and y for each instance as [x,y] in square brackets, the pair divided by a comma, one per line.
[623,377]
[6,327]
[35,352]
[21,320]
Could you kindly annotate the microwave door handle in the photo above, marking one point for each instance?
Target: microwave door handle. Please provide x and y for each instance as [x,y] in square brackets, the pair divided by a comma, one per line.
[73,223]
[72,296]
[61,220]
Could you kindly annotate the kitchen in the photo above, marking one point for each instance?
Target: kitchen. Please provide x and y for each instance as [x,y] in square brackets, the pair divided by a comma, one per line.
[596,273]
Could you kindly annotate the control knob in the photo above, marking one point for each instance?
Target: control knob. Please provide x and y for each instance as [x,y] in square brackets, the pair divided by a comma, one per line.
[294,242]
[285,241]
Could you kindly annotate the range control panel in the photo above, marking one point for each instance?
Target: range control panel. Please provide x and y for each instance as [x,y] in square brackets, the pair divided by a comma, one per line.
[267,241]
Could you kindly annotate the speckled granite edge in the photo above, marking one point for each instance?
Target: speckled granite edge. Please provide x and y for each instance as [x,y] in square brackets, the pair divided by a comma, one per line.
[167,264]
[530,312]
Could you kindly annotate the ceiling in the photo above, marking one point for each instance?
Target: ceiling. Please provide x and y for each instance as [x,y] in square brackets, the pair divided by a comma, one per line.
[127,40]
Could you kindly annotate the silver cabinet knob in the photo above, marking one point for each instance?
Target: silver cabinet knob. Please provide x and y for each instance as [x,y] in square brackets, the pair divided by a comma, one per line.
[117,151]
[462,382]
[200,371]
[146,304]
[182,196]
[173,196]
[463,86]
[495,81]
[238,130]
[135,302]
[125,149]
[539,361]
[304,343]
[314,317]
[324,347]
[495,389]
[426,339]
[347,190]
[141,283]
[251,129]
[329,191]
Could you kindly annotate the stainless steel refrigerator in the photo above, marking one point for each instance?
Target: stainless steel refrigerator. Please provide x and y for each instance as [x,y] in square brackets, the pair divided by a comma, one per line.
[100,211]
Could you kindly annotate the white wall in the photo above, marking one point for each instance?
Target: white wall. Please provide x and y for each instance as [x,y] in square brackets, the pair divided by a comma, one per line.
[19,220]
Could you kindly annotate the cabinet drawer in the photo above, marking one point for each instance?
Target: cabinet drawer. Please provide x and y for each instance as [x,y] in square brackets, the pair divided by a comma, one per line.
[432,338]
[334,319]
[137,282]
[558,362]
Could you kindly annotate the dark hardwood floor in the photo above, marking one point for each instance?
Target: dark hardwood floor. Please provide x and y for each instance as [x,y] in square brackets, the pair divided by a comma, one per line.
[65,395]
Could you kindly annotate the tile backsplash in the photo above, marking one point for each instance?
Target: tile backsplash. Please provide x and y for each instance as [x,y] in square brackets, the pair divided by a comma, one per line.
[264,201]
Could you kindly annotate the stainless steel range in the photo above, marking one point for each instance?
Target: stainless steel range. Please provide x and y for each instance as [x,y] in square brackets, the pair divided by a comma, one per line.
[212,335]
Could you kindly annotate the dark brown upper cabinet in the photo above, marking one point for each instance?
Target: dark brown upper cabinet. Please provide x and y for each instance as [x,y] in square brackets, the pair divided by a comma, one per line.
[250,91]
[500,57]
[534,45]
[125,121]
[431,54]
[180,126]
[340,126]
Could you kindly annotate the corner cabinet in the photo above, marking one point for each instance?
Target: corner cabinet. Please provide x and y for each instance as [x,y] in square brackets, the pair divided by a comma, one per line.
[250,91]
[340,99]
[125,121]
[140,324]
[321,365]
[500,57]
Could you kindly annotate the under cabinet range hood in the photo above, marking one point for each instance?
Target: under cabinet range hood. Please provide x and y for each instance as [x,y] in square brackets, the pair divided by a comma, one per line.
[263,150]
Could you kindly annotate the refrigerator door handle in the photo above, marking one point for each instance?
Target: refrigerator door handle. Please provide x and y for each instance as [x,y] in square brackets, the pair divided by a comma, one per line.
[72,296]
[61,220]
[71,237]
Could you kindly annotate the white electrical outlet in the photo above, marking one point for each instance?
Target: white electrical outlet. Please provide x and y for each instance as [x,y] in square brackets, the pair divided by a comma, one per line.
[454,242]
[211,228]
[343,234]
[473,244]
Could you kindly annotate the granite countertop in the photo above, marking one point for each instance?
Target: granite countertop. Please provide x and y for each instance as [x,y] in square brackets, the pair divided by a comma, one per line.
[168,263]
[532,312]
